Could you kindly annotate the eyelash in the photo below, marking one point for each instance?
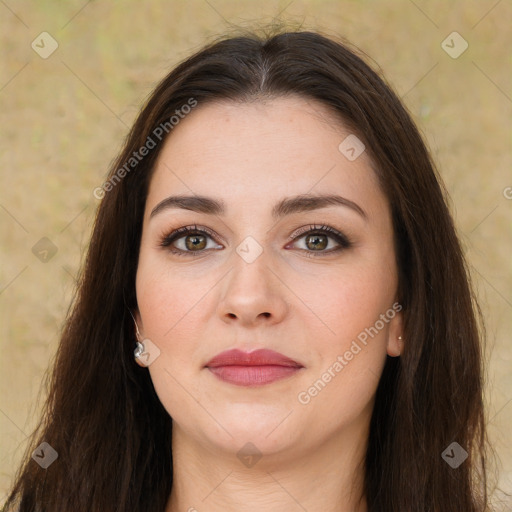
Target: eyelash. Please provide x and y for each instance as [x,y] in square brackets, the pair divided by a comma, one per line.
[340,238]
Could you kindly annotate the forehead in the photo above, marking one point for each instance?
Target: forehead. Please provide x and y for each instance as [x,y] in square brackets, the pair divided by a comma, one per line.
[258,152]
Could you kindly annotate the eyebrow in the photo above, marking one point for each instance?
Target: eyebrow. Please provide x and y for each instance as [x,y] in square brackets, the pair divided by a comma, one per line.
[287,206]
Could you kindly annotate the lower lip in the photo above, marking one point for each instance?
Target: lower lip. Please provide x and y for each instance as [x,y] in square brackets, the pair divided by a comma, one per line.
[253,375]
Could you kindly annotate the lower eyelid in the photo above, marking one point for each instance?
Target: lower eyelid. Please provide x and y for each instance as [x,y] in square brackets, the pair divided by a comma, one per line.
[341,240]
[340,246]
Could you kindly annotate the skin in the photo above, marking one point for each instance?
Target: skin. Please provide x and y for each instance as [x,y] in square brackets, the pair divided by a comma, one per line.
[310,309]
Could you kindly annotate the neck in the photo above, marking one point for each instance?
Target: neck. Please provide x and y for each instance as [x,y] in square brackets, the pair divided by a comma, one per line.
[323,478]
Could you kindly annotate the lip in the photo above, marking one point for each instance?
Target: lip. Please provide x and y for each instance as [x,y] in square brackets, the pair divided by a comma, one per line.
[255,368]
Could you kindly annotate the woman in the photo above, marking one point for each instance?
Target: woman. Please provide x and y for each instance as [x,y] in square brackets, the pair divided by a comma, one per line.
[275,312]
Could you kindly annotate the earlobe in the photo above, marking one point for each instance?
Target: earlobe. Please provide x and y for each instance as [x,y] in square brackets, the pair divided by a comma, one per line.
[395,344]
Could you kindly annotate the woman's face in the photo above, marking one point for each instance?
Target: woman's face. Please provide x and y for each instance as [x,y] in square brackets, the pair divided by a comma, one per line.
[255,279]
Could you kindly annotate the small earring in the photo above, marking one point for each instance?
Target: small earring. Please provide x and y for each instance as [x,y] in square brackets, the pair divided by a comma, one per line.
[399,337]
[139,348]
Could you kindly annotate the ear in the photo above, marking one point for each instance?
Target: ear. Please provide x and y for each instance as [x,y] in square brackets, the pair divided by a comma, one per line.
[137,323]
[395,343]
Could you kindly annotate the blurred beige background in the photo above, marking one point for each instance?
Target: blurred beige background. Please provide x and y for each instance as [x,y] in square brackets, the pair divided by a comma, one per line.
[64,117]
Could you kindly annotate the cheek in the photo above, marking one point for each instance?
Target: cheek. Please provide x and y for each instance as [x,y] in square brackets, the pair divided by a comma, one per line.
[168,298]
[175,307]
[343,302]
[348,337]
[169,304]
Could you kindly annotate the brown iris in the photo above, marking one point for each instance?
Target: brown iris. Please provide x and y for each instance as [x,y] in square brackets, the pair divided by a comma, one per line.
[317,241]
[195,242]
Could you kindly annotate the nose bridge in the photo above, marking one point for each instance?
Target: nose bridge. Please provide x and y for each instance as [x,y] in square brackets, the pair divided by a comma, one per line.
[250,274]
[251,288]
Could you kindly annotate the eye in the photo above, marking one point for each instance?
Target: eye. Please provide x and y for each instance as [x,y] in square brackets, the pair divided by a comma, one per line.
[193,240]
[316,239]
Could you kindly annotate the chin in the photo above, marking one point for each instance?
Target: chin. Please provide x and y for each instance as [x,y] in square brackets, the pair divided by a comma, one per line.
[265,432]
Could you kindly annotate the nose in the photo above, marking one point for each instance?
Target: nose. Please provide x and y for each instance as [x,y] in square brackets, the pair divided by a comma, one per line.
[253,294]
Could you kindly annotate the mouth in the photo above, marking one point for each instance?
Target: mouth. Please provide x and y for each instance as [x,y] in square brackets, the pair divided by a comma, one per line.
[252,368]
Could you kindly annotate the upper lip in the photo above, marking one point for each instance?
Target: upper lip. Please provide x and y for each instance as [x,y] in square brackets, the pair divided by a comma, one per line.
[261,357]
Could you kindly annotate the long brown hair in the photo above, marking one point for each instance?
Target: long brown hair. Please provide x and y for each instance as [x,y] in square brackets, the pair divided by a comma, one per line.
[102,415]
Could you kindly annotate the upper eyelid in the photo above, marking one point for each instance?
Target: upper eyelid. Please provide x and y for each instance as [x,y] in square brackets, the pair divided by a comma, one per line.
[183,231]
